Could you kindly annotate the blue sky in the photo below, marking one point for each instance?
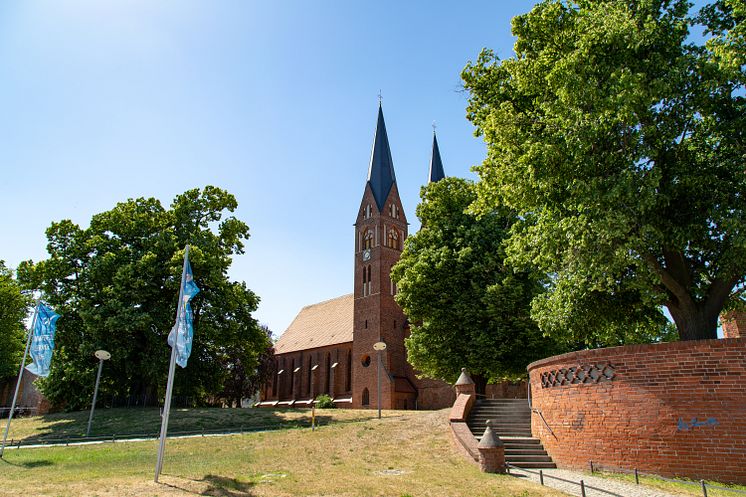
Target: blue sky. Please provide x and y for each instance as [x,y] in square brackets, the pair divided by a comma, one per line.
[274,101]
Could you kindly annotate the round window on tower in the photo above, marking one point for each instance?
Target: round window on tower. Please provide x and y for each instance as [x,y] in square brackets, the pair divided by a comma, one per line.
[365,360]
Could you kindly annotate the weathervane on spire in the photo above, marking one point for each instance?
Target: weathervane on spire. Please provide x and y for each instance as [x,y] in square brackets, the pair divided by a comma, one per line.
[434,126]
[380,98]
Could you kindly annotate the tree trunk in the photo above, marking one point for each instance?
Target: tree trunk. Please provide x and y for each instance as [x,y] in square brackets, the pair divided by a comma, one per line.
[480,384]
[695,322]
[695,318]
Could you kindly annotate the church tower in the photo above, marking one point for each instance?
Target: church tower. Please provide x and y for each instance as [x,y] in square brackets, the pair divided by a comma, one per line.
[380,231]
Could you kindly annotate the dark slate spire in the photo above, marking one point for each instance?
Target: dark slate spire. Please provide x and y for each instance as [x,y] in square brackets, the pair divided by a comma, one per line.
[436,165]
[381,171]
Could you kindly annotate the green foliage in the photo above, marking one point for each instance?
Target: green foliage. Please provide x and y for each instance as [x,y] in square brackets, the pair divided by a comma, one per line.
[117,282]
[245,378]
[620,143]
[323,401]
[13,309]
[466,307]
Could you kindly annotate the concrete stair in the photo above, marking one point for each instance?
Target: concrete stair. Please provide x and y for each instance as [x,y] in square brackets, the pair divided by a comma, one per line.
[511,421]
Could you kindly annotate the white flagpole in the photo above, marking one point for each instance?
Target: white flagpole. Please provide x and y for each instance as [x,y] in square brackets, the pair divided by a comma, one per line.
[171,370]
[20,375]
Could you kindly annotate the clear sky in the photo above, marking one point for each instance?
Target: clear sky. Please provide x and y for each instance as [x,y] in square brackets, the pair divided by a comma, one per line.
[274,101]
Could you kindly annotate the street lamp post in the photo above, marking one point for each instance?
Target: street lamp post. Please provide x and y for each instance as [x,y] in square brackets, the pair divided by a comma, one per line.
[379,347]
[102,356]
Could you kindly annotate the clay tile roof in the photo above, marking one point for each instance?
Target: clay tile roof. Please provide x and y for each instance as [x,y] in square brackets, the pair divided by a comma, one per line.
[318,325]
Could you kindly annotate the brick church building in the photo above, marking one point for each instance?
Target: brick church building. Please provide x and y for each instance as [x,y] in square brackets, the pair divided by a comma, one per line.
[328,348]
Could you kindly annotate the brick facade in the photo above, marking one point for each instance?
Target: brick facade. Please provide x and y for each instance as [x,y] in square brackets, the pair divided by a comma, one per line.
[674,409]
[734,324]
[331,376]
[30,400]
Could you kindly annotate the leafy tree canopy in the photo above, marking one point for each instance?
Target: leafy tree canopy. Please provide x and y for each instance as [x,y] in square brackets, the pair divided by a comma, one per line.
[13,310]
[466,307]
[619,140]
[116,285]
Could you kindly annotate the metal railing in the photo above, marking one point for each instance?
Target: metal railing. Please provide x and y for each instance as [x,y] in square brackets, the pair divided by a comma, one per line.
[19,411]
[594,468]
[701,483]
[541,415]
[583,486]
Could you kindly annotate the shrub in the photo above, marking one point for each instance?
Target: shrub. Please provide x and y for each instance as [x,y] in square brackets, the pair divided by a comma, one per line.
[324,402]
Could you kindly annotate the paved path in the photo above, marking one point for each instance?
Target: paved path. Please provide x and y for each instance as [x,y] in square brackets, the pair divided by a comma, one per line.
[608,486]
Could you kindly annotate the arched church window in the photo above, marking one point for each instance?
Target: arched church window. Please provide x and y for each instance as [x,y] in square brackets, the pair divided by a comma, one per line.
[366,281]
[368,240]
[394,211]
[329,385]
[348,378]
[393,238]
[366,212]
[366,397]
[275,381]
[292,378]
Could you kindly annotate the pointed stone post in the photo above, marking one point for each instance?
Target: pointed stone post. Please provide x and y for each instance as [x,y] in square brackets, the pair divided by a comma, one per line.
[465,385]
[491,452]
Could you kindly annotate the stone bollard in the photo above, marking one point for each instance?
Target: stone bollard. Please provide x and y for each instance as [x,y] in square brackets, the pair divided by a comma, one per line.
[464,384]
[491,452]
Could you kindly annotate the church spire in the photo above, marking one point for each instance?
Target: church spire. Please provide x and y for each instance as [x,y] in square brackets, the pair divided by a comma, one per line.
[381,171]
[436,165]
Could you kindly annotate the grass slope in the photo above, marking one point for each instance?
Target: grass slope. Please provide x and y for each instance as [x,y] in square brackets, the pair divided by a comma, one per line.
[405,454]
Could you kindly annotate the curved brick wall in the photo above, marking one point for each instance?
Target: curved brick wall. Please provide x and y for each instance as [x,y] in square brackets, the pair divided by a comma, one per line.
[675,409]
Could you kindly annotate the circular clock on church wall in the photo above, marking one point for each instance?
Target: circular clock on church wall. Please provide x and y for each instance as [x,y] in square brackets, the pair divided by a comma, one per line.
[366,254]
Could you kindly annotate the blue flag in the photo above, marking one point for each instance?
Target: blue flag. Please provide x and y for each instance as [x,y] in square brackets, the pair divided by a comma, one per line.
[42,342]
[183,330]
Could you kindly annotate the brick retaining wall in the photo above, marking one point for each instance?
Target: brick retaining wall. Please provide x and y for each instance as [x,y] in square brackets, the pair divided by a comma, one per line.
[674,409]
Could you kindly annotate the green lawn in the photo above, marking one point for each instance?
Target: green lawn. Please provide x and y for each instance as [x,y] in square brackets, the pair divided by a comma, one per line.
[405,454]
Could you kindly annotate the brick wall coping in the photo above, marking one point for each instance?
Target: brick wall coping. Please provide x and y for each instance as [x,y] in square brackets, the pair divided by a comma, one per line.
[461,407]
[662,348]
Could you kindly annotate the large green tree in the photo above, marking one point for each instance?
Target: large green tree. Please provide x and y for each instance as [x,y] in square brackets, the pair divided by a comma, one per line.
[619,139]
[13,310]
[116,285]
[466,307]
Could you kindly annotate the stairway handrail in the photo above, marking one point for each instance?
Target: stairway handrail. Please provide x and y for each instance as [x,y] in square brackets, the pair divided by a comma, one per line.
[541,415]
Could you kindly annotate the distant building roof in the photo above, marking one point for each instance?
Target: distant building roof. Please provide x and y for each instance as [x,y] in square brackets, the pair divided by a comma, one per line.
[318,325]
[381,170]
[436,165]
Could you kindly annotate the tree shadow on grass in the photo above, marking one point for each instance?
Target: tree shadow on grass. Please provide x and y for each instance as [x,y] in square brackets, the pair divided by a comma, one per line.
[145,422]
[140,422]
[30,464]
[221,486]
[217,486]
